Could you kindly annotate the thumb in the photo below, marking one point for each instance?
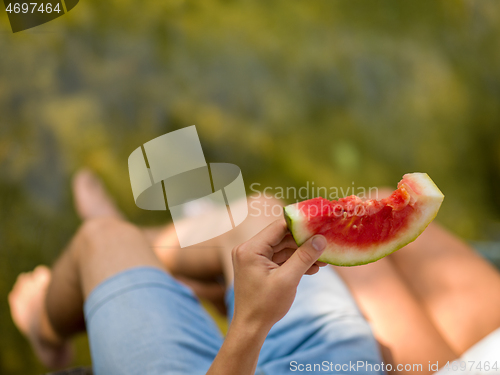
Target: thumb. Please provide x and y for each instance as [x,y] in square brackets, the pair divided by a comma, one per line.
[304,257]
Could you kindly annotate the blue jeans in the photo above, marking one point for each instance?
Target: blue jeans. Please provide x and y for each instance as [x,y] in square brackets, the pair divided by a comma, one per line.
[142,321]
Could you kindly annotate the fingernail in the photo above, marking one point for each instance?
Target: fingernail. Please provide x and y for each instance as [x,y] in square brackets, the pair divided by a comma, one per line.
[319,243]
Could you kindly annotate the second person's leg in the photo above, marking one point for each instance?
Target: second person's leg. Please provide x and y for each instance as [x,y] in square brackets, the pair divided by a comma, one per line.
[459,290]
[400,324]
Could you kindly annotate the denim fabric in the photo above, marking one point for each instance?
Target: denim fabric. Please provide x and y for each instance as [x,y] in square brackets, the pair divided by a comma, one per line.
[142,321]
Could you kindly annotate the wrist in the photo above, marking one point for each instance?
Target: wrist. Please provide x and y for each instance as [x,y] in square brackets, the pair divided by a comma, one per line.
[252,330]
[240,351]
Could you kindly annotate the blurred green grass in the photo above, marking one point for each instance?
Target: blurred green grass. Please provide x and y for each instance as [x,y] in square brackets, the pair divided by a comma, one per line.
[333,92]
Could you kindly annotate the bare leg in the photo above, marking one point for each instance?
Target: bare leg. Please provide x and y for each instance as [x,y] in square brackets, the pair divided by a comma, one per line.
[91,198]
[403,328]
[199,262]
[104,246]
[212,257]
[199,266]
[101,248]
[459,290]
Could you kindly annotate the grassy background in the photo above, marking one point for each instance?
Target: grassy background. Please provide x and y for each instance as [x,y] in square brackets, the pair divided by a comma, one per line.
[331,92]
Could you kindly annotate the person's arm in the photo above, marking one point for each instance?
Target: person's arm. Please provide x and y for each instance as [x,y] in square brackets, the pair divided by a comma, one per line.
[267,271]
[240,351]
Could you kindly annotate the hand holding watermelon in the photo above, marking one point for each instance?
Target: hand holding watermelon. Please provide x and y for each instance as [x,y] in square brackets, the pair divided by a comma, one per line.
[267,270]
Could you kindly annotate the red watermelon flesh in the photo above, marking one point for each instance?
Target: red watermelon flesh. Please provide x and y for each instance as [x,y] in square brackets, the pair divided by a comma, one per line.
[363,231]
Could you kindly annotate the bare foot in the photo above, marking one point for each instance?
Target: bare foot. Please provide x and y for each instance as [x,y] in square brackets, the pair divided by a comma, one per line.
[91,198]
[27,308]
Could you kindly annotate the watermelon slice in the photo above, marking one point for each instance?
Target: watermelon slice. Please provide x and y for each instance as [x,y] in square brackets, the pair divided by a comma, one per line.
[363,231]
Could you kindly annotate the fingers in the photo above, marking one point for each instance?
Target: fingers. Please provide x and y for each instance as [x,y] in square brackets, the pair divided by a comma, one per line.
[311,271]
[304,258]
[273,234]
[287,242]
[284,255]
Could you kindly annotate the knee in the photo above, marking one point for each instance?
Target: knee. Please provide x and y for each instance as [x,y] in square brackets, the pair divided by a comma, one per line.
[95,228]
[103,234]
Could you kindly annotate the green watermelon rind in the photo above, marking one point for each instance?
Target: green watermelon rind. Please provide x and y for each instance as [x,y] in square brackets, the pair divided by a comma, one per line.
[301,236]
[289,223]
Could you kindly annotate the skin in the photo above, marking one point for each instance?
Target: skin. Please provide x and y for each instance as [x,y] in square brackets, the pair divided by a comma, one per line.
[403,328]
[457,288]
[446,296]
[264,292]
[445,305]
[47,305]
